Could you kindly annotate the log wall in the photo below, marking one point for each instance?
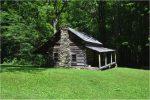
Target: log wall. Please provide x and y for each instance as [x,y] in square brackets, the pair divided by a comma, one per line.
[79,51]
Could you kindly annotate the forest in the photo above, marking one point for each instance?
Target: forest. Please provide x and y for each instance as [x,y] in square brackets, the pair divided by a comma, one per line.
[121,25]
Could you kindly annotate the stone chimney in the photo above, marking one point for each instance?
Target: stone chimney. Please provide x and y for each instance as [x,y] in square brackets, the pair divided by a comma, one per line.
[64,54]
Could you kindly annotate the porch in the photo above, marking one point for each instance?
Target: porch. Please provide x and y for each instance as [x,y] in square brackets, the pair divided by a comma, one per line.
[101,58]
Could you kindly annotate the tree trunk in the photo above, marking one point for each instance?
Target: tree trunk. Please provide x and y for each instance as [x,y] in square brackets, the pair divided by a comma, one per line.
[102,29]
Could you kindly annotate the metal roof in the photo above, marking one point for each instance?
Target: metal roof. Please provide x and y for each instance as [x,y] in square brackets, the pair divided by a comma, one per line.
[100,49]
[85,36]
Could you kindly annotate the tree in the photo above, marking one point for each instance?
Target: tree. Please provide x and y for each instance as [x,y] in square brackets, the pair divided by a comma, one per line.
[102,33]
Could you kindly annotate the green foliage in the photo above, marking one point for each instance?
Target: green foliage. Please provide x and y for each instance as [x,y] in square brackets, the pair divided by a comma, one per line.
[22,30]
[20,82]
[84,15]
[16,61]
[40,60]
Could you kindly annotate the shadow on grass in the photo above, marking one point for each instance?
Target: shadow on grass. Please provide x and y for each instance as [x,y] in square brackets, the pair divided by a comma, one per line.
[28,69]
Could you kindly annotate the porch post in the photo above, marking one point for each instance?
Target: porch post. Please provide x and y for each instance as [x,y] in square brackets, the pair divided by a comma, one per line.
[115,60]
[105,59]
[111,57]
[99,56]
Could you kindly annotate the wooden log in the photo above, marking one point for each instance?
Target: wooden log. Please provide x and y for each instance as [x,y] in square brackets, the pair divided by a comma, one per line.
[105,66]
[76,47]
[81,61]
[80,64]
[105,59]
[111,60]
[77,52]
[99,60]
[115,60]
[80,58]
[80,54]
[111,57]
[85,62]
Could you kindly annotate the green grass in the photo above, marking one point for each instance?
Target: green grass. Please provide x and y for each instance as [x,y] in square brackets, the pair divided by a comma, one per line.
[58,83]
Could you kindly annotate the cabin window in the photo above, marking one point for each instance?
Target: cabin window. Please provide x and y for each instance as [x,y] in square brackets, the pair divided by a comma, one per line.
[55,57]
[73,58]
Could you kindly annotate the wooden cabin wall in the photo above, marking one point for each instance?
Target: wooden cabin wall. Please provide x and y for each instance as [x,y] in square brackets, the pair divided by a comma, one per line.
[77,48]
[79,51]
[56,50]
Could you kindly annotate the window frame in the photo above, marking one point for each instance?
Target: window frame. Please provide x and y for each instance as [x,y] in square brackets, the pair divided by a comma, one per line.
[74,58]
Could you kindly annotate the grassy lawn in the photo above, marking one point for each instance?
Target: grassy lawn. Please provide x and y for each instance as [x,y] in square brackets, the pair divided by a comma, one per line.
[57,83]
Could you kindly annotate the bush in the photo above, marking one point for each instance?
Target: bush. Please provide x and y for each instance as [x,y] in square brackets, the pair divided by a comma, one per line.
[34,60]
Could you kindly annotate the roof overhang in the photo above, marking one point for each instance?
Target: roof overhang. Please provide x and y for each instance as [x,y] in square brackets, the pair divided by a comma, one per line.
[100,49]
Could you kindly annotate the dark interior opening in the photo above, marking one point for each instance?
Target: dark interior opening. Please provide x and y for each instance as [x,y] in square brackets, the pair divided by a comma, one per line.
[55,57]
[102,59]
[92,58]
[108,57]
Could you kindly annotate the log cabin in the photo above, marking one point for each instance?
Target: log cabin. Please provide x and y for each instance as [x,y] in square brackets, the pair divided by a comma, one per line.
[71,48]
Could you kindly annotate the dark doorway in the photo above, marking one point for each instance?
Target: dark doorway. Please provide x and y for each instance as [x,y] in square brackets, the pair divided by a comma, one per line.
[92,58]
[56,58]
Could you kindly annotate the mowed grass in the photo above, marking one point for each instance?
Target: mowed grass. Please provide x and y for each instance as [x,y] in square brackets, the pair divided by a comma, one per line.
[59,83]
